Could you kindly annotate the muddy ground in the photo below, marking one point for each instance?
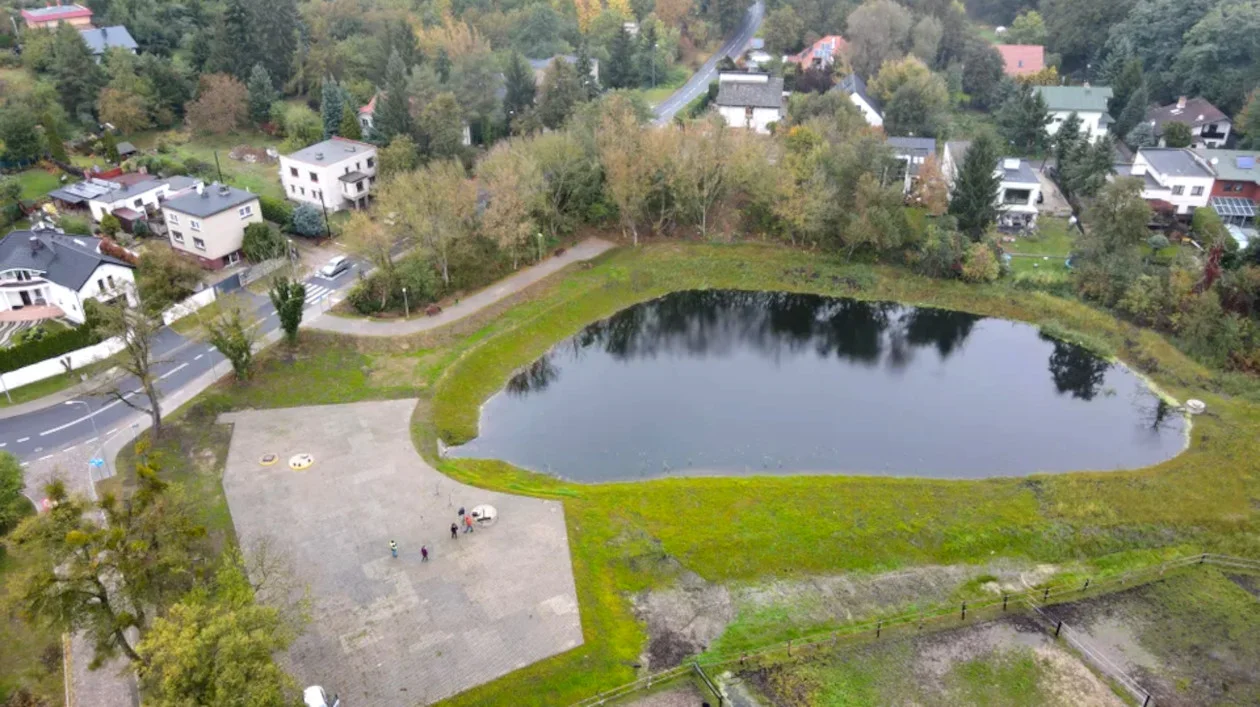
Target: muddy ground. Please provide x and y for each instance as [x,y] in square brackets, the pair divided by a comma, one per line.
[1192,639]
[1008,662]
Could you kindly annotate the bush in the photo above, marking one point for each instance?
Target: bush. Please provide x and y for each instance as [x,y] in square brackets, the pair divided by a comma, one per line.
[75,224]
[110,225]
[49,346]
[277,211]
[980,264]
[262,242]
[307,221]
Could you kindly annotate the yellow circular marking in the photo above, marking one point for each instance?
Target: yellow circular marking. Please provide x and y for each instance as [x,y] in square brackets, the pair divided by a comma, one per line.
[301,462]
[269,459]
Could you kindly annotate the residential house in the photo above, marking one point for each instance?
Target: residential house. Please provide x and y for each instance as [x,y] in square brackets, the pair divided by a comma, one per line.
[855,88]
[1089,103]
[821,54]
[132,199]
[540,66]
[1237,186]
[367,117]
[912,152]
[1019,193]
[208,223]
[1209,127]
[53,15]
[1175,179]
[334,174]
[750,100]
[757,55]
[1022,59]
[100,40]
[47,272]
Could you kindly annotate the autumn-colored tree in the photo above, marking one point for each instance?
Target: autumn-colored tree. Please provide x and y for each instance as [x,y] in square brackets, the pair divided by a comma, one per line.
[704,168]
[1048,76]
[436,205]
[896,73]
[671,13]
[514,183]
[370,240]
[627,173]
[221,105]
[125,110]
[931,191]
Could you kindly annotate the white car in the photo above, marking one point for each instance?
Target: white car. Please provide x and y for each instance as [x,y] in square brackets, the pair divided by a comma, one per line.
[335,267]
[314,696]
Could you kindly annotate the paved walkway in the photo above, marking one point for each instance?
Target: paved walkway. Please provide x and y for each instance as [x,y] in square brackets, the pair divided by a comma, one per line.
[398,631]
[506,287]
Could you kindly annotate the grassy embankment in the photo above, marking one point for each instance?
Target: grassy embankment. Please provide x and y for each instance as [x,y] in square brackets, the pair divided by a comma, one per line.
[260,177]
[629,537]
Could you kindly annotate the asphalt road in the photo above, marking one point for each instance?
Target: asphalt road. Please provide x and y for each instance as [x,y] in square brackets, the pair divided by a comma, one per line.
[699,81]
[63,426]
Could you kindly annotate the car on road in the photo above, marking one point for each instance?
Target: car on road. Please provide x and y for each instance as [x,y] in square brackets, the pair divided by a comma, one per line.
[314,696]
[335,267]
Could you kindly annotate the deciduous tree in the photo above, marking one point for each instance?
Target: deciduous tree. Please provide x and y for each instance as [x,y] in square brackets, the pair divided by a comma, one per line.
[221,106]
[515,187]
[234,333]
[136,329]
[19,131]
[1028,28]
[436,206]
[918,107]
[784,30]
[626,173]
[376,242]
[262,242]
[931,191]
[289,299]
[1177,134]
[13,505]
[1248,122]
[400,155]
[442,123]
[878,31]
[164,277]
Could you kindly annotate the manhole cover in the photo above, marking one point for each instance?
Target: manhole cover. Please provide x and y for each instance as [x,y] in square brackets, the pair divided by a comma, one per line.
[300,462]
[269,459]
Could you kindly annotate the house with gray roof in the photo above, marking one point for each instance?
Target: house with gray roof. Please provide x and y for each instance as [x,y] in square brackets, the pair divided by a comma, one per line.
[335,174]
[1174,179]
[1209,126]
[1237,186]
[912,152]
[1018,196]
[101,39]
[208,223]
[855,88]
[750,100]
[48,274]
[539,66]
[1089,103]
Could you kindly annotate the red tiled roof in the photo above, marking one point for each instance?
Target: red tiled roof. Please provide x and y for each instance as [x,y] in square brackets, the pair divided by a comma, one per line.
[370,108]
[56,13]
[1022,59]
[832,45]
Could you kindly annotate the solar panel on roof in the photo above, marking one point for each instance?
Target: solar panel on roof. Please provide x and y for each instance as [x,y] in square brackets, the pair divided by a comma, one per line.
[1245,162]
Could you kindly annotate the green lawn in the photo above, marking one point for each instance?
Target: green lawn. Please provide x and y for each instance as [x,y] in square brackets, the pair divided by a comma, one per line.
[626,537]
[260,178]
[37,182]
[1053,238]
[667,83]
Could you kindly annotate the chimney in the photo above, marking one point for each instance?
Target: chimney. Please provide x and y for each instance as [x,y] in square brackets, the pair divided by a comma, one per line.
[319,155]
[1181,102]
[201,187]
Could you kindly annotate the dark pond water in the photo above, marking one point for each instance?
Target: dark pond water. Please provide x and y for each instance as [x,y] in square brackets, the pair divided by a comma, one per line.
[732,382]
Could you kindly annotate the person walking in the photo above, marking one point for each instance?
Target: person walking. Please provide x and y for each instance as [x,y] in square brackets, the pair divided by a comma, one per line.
[461,511]
[424,554]
[468,525]
[454,531]
[393,548]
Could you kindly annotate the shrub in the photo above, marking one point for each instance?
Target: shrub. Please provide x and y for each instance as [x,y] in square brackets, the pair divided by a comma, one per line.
[980,264]
[277,211]
[74,224]
[110,225]
[262,242]
[47,347]
[307,221]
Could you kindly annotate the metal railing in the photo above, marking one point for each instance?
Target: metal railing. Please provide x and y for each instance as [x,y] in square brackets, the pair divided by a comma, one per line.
[1035,600]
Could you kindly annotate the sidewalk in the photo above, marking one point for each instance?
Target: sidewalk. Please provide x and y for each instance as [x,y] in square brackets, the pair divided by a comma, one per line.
[87,387]
[506,287]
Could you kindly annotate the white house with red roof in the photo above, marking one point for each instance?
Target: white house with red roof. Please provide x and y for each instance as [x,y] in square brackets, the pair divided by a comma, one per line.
[1022,59]
[821,54]
[51,16]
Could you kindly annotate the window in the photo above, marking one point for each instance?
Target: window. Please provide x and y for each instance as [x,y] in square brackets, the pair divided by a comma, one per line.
[194,224]
[317,194]
[371,162]
[139,203]
[371,180]
[359,185]
[347,170]
[292,189]
[314,177]
[293,172]
[199,244]
[233,258]
[1196,191]
[246,211]
[177,236]
[110,279]
[100,284]
[1178,190]
[172,219]
[303,190]
[356,166]
[24,275]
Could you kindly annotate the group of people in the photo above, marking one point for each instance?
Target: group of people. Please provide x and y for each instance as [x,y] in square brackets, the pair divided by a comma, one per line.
[465,519]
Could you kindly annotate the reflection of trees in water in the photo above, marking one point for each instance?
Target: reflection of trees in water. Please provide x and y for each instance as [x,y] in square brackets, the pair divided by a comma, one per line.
[716,323]
[1076,370]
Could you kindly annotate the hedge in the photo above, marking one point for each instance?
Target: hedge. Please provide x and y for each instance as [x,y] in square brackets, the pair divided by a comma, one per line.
[278,211]
[48,347]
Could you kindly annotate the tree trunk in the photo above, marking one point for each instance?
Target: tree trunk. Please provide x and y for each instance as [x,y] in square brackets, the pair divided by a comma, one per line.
[125,645]
[155,410]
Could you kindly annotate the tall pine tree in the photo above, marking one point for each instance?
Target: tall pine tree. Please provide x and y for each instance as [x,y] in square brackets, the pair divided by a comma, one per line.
[77,76]
[1134,112]
[276,25]
[1023,119]
[620,71]
[262,93]
[393,105]
[52,136]
[330,104]
[586,72]
[974,198]
[519,87]
[349,127]
[234,48]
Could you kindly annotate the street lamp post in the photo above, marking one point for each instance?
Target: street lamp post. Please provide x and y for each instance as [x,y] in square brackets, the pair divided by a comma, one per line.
[100,444]
[540,242]
[406,305]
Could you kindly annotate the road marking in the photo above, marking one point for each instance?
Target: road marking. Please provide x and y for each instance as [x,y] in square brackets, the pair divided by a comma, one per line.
[173,371]
[24,439]
[3,444]
[72,423]
[70,447]
[90,440]
[46,456]
[210,350]
[198,357]
[111,432]
[137,391]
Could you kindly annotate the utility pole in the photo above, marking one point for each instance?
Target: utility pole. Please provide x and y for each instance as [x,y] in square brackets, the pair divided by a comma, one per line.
[217,168]
[322,205]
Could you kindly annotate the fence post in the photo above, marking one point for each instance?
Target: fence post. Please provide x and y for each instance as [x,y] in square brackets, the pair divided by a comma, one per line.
[1004,598]
[742,658]
[1058,628]
[879,627]
[1146,701]
[1086,584]
[835,639]
[964,611]
[1202,558]
[789,648]
[1046,595]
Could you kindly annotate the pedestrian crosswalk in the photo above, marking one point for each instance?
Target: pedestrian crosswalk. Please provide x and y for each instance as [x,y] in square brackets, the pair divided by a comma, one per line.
[315,292]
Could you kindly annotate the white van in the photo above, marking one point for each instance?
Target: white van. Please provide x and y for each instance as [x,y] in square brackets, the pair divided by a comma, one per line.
[314,696]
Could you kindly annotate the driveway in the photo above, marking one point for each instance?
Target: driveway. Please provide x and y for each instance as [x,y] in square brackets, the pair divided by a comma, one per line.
[398,631]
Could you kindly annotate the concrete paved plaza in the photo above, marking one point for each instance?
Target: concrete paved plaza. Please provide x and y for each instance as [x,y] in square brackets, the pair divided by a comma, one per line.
[388,631]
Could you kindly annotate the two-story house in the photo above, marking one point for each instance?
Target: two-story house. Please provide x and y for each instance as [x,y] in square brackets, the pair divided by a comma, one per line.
[102,39]
[855,88]
[134,195]
[52,15]
[50,274]
[1022,59]
[208,222]
[822,54]
[1237,186]
[1019,193]
[1089,103]
[336,174]
[750,100]
[912,152]
[1173,176]
[1209,127]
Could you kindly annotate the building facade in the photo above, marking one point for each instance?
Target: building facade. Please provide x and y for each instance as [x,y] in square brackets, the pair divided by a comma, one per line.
[855,88]
[208,223]
[1089,103]
[334,174]
[52,273]
[1209,126]
[53,15]
[750,100]
[1174,176]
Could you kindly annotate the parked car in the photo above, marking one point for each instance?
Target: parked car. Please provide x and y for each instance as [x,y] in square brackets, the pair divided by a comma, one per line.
[314,696]
[335,267]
